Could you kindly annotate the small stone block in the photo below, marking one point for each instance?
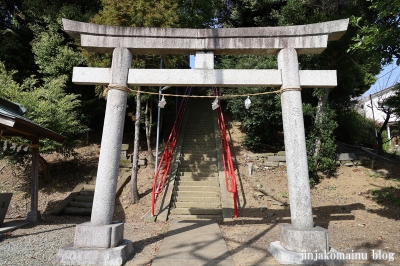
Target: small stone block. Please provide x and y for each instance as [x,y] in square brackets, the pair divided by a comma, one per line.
[277,158]
[269,154]
[347,157]
[125,165]
[70,255]
[5,199]
[281,153]
[124,147]
[286,257]
[304,240]
[34,216]
[271,164]
[98,236]
[142,162]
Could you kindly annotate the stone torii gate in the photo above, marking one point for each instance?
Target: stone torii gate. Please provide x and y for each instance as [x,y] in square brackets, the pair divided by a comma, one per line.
[100,241]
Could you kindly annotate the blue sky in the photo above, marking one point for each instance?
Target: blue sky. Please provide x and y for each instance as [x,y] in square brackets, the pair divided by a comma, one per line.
[389,76]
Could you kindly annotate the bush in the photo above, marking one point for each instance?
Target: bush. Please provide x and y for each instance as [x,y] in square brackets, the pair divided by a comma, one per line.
[355,129]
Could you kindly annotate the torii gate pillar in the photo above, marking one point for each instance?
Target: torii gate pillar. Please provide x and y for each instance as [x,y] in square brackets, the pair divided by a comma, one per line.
[300,237]
[100,241]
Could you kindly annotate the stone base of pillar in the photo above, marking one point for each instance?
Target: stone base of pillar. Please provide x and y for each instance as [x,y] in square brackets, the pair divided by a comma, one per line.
[34,216]
[286,257]
[70,255]
[304,240]
[88,235]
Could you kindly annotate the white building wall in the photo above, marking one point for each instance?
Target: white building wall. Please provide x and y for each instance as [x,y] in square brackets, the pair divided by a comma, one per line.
[371,107]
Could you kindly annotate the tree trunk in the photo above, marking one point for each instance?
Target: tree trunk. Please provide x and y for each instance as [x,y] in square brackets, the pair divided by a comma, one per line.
[380,131]
[134,188]
[318,120]
[45,167]
[148,123]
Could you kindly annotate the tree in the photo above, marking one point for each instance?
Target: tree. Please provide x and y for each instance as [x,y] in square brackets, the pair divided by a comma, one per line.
[48,106]
[134,190]
[379,30]
[355,69]
[37,66]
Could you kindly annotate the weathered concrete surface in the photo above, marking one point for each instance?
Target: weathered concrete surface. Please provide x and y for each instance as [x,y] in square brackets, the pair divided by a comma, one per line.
[295,141]
[98,236]
[197,242]
[99,242]
[304,240]
[110,153]
[286,257]
[117,256]
[307,39]
[205,77]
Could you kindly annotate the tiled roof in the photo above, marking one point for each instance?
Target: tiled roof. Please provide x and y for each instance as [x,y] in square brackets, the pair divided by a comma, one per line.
[14,114]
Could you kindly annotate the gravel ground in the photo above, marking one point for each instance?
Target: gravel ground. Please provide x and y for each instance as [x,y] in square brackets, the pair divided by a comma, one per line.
[35,245]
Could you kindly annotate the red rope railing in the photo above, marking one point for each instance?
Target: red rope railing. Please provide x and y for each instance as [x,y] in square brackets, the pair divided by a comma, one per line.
[229,170]
[160,177]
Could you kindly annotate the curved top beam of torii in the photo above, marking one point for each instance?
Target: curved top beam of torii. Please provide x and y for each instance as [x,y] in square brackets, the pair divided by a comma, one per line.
[306,39]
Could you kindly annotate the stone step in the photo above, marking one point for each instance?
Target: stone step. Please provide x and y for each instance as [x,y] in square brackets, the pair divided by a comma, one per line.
[194,211]
[200,150]
[81,204]
[190,176]
[89,187]
[198,166]
[198,175]
[201,205]
[200,142]
[196,137]
[200,125]
[84,198]
[198,217]
[199,170]
[77,211]
[194,199]
[181,188]
[199,158]
[86,193]
[196,194]
[197,183]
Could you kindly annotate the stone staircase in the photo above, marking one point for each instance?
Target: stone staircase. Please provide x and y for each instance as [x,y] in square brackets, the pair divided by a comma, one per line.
[197,192]
[80,200]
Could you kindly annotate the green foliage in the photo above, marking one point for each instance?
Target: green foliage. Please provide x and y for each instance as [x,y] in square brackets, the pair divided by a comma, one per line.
[48,105]
[198,14]
[386,141]
[379,30]
[138,13]
[52,56]
[355,70]
[354,128]
[320,140]
[394,101]
[261,122]
[386,195]
[250,13]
